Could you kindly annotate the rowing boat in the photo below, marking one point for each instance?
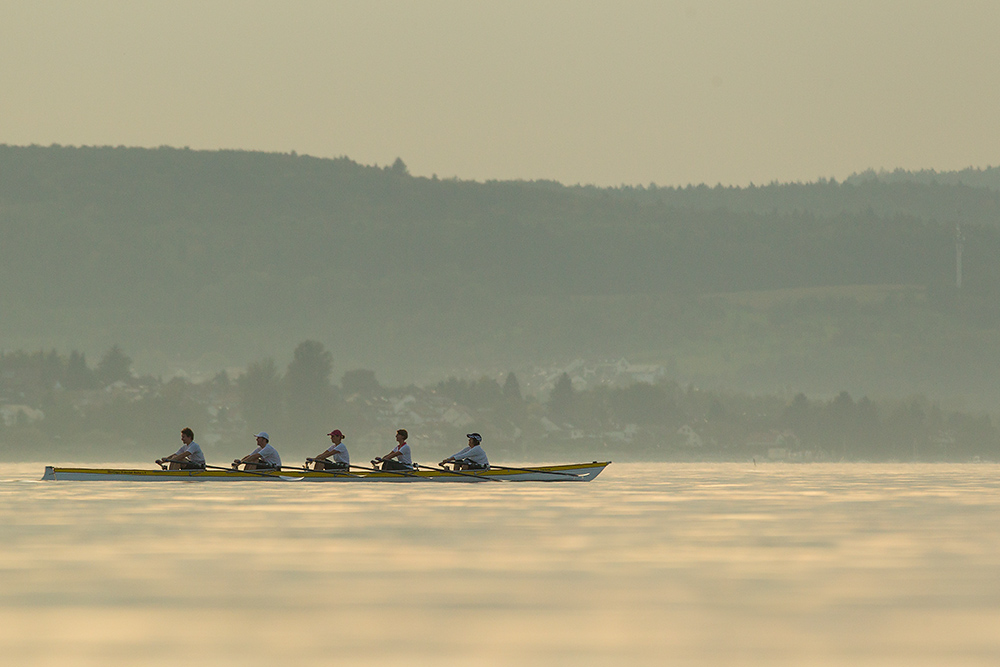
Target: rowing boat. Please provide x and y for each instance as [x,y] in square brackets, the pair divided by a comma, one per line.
[574,472]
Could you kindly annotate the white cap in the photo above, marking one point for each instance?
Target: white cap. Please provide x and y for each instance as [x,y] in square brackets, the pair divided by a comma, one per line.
[263,435]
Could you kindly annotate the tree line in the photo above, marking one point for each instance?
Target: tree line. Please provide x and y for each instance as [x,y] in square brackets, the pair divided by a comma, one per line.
[74,409]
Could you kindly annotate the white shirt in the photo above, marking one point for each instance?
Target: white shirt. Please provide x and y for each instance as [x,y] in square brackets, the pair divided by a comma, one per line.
[404,454]
[340,454]
[475,454]
[269,454]
[197,456]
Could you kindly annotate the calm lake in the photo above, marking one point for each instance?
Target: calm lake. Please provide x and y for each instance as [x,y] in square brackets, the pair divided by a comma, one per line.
[700,564]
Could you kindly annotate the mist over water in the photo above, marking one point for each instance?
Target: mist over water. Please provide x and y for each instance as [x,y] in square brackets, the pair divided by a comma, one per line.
[662,231]
[648,564]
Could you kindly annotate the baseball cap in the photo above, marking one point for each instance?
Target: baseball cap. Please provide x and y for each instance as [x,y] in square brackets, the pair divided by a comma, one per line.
[262,435]
[336,431]
[474,436]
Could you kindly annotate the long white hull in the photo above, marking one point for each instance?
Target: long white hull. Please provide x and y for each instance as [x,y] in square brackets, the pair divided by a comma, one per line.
[581,472]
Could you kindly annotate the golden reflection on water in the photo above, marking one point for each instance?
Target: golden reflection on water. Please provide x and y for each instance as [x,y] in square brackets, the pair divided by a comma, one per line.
[649,564]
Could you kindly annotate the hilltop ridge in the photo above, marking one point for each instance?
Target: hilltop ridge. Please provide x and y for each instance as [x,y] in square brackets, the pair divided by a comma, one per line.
[218,258]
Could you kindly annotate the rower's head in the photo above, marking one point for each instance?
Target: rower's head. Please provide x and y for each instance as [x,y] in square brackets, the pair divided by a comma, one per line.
[401,435]
[187,436]
[336,435]
[262,439]
[474,439]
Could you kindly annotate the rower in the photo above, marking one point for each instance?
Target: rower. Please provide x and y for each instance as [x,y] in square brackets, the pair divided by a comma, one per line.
[473,457]
[188,457]
[338,450]
[398,458]
[265,457]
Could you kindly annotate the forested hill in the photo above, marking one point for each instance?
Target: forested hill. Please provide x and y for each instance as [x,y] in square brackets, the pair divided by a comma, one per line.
[228,256]
[972,177]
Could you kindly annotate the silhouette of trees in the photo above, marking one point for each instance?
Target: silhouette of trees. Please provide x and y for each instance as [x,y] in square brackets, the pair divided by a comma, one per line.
[308,393]
[484,393]
[114,366]
[975,434]
[167,410]
[640,403]
[78,374]
[399,168]
[52,407]
[561,400]
[797,415]
[261,399]
[512,389]
[360,381]
[512,403]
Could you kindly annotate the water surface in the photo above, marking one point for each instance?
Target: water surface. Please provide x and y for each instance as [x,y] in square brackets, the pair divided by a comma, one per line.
[649,564]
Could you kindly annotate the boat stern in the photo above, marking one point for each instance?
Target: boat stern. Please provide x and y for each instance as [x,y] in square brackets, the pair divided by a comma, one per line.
[50,474]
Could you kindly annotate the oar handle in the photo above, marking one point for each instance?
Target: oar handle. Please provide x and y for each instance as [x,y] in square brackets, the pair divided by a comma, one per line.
[391,472]
[261,473]
[479,478]
[325,472]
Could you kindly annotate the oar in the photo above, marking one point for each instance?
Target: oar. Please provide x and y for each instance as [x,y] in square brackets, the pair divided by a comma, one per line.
[248,472]
[478,478]
[341,471]
[325,472]
[536,471]
[391,472]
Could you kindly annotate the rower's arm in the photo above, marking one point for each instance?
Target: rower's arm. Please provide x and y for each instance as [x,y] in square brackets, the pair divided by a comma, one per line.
[176,456]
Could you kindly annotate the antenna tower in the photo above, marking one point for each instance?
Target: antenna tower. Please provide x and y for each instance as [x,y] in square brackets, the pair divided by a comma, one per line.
[959,245]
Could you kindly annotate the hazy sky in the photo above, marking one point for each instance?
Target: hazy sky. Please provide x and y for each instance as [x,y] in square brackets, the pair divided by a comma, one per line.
[590,92]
